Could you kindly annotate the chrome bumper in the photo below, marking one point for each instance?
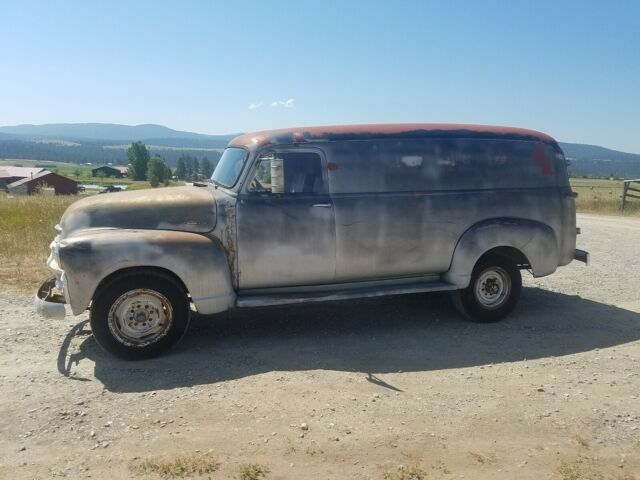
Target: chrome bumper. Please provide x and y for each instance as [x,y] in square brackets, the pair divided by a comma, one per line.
[48,303]
[581,256]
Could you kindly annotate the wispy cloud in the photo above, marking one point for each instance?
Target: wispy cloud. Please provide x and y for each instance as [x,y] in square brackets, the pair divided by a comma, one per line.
[283,103]
[275,104]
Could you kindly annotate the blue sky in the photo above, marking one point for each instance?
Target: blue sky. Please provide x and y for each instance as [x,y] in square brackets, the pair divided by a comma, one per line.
[571,68]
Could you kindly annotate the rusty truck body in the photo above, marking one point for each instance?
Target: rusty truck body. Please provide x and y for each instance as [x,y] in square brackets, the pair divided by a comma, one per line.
[316,214]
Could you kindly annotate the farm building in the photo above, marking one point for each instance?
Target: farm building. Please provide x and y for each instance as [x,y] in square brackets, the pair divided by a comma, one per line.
[60,184]
[13,174]
[117,171]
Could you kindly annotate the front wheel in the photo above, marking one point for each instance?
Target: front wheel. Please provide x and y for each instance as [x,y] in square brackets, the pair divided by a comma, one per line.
[493,292]
[139,315]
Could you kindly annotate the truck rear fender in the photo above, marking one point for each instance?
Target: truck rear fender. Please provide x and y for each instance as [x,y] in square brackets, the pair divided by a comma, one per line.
[535,240]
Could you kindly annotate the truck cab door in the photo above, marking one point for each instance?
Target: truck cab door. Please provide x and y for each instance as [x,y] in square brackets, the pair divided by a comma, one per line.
[285,219]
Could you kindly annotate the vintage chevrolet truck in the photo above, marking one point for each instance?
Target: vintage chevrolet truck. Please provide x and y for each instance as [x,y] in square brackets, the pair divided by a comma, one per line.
[316,214]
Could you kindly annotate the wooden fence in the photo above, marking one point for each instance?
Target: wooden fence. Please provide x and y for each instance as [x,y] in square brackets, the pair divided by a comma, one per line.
[628,186]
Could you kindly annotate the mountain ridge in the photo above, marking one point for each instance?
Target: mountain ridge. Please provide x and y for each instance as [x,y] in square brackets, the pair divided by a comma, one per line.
[28,141]
[102,131]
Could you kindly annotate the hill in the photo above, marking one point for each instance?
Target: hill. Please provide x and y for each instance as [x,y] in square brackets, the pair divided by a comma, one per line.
[110,132]
[106,142]
[596,161]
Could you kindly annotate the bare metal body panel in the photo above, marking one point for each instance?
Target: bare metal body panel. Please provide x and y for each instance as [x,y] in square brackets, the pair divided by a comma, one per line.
[185,209]
[357,237]
[199,262]
[285,242]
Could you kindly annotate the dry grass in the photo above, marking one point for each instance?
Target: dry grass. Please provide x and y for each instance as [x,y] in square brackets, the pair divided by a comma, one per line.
[602,196]
[177,466]
[406,473]
[252,471]
[26,230]
[585,468]
[482,459]
[583,442]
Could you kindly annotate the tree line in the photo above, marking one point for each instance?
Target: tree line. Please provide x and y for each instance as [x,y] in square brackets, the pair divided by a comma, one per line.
[142,166]
[96,153]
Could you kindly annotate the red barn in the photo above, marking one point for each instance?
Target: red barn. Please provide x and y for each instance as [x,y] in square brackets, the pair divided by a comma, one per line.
[29,185]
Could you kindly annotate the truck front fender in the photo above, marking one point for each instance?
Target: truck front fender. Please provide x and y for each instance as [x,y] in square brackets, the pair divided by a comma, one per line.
[199,262]
[535,240]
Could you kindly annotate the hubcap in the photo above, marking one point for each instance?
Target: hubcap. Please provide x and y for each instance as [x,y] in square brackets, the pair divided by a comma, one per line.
[140,317]
[492,287]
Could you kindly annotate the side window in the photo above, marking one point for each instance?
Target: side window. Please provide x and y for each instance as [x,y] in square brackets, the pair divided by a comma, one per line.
[288,173]
[423,165]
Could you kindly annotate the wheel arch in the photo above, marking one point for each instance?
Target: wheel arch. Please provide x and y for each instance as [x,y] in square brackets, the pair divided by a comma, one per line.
[530,244]
[509,252]
[151,270]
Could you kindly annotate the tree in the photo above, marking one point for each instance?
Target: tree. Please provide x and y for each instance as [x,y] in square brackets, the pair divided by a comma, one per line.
[156,171]
[205,167]
[77,172]
[196,170]
[189,167]
[181,168]
[138,155]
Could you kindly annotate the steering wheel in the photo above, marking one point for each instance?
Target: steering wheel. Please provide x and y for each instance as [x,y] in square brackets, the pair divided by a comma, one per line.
[256,186]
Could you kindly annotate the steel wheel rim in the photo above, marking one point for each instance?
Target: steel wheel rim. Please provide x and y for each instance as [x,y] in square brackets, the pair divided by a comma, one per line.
[492,288]
[140,317]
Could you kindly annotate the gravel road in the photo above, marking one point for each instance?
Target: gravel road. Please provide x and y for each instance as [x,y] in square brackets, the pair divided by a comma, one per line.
[551,392]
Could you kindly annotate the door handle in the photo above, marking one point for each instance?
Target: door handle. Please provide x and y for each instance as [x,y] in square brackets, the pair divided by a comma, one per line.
[321,205]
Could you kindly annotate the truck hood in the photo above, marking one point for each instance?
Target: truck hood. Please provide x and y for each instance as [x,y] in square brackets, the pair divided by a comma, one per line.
[187,209]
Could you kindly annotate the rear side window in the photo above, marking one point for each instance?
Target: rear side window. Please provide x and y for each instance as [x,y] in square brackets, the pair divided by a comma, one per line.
[440,164]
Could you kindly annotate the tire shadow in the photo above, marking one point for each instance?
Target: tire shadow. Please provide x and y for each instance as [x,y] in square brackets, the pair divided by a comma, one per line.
[411,333]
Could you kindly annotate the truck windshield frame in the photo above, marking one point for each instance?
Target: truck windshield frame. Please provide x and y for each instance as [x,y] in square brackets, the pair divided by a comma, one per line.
[230,166]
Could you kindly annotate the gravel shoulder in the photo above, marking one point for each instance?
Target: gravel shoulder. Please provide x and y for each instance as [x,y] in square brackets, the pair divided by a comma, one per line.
[379,383]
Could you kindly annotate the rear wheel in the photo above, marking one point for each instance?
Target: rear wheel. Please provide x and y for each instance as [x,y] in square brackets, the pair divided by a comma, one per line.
[493,292]
[139,315]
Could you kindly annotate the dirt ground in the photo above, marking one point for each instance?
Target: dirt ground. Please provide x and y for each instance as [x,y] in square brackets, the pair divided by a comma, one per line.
[552,392]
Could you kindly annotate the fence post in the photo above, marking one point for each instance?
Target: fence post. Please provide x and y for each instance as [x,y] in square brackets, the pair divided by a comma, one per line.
[625,185]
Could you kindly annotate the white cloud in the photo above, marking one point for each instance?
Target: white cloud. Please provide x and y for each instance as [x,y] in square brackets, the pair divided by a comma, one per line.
[283,103]
[253,106]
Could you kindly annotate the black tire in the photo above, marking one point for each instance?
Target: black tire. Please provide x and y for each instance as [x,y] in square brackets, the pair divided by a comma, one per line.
[156,297]
[474,302]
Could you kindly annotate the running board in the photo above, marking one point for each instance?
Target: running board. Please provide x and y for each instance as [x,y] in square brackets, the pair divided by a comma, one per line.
[264,300]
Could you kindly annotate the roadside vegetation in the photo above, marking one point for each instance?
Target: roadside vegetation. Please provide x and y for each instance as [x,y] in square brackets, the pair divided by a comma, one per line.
[599,195]
[26,230]
[177,466]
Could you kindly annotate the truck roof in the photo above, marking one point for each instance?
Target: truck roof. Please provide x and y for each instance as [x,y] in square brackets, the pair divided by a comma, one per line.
[379,131]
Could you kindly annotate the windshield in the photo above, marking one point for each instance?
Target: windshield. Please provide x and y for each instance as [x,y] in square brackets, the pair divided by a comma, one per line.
[229,167]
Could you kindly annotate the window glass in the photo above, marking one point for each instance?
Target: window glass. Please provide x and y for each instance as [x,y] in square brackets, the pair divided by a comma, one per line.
[301,171]
[440,164]
[229,167]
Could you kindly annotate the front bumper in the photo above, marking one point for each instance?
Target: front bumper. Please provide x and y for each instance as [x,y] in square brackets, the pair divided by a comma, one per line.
[48,303]
[581,256]
[52,294]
